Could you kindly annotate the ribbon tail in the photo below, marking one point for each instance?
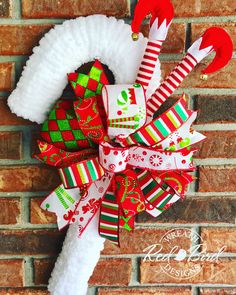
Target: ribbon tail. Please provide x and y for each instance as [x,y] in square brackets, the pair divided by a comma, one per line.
[109,217]
[178,181]
[90,202]
[130,198]
[158,196]
[63,203]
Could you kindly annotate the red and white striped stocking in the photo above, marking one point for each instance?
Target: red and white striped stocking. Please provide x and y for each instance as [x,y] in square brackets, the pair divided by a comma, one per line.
[214,39]
[148,63]
[171,83]
[162,15]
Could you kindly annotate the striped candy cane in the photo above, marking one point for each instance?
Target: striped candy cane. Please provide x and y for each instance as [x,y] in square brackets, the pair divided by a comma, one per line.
[162,15]
[214,39]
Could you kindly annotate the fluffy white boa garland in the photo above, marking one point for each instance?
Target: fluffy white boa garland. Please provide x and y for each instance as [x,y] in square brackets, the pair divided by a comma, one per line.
[64,49]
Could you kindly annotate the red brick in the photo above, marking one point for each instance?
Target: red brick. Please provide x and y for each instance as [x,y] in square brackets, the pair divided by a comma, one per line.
[217,179]
[221,272]
[104,273]
[175,41]
[210,210]
[38,215]
[20,39]
[225,78]
[31,242]
[6,75]
[215,108]
[6,8]
[135,242]
[221,291]
[73,8]
[198,8]
[145,291]
[114,272]
[198,29]
[11,273]
[219,144]
[216,238]
[28,178]
[10,210]
[10,145]
[42,270]
[7,117]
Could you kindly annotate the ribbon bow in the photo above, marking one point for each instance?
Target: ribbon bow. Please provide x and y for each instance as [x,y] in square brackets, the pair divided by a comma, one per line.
[130,172]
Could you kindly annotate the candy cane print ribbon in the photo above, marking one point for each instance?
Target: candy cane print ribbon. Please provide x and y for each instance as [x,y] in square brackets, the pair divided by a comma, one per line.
[116,159]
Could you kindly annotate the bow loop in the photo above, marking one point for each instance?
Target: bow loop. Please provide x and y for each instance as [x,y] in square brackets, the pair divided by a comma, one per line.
[113,159]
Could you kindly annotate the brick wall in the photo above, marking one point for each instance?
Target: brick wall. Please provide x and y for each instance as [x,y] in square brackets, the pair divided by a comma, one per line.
[29,240]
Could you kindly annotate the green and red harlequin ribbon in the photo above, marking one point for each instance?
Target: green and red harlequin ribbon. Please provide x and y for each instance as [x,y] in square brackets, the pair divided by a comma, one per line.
[63,127]
[121,177]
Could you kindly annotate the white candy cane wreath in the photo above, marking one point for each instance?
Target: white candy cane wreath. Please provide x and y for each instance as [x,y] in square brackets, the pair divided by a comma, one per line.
[64,49]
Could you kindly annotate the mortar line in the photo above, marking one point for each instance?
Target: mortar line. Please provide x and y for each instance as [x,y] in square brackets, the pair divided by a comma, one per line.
[223,256]
[211,194]
[139,225]
[19,128]
[195,290]
[24,256]
[92,290]
[215,127]
[188,40]
[195,232]
[25,211]
[27,225]
[4,94]
[167,225]
[206,19]
[13,58]
[28,272]
[180,285]
[24,194]
[27,159]
[189,194]
[17,20]
[16,10]
[198,127]
[215,161]
[163,57]
[135,274]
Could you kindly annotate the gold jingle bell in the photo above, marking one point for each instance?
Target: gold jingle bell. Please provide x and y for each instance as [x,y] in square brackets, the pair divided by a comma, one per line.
[135,36]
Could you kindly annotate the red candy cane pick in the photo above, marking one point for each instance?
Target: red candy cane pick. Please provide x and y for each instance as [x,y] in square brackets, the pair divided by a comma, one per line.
[214,39]
[162,15]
